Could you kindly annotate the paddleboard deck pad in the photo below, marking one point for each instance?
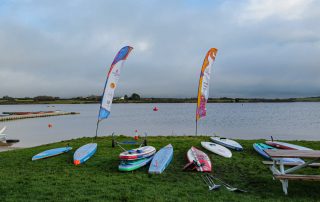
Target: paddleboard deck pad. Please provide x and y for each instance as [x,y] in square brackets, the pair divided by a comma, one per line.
[161,160]
[200,159]
[83,153]
[139,153]
[51,153]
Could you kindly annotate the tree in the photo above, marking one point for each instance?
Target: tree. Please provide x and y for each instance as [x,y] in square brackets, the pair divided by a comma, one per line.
[43,98]
[6,97]
[135,96]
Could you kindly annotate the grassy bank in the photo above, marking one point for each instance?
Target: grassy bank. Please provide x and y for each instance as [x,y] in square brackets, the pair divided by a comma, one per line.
[57,179]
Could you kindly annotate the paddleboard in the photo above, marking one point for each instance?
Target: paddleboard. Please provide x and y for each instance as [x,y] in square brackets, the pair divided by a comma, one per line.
[3,129]
[260,147]
[51,153]
[161,160]
[200,158]
[231,144]
[139,153]
[3,137]
[130,166]
[217,149]
[132,162]
[284,145]
[83,153]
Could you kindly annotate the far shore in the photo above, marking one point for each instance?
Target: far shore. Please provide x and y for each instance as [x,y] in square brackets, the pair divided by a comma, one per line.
[96,100]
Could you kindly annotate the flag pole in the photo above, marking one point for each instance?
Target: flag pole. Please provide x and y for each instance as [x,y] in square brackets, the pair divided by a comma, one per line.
[196,127]
[97,129]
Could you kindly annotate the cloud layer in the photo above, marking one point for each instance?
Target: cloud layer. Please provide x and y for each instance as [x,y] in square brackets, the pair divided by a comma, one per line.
[64,48]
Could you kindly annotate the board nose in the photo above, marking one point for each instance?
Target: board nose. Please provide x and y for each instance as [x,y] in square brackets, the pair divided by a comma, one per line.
[76,162]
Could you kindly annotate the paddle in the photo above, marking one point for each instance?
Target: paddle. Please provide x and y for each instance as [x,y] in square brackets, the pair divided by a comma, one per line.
[210,183]
[229,187]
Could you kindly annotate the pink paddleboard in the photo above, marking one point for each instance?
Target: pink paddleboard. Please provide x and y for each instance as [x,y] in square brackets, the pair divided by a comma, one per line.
[200,158]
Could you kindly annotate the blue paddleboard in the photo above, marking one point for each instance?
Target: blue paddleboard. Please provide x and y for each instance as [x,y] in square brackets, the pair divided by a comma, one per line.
[161,160]
[260,147]
[84,153]
[129,166]
[51,152]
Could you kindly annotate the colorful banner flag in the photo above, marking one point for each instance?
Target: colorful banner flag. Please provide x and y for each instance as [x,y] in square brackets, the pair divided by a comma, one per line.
[203,89]
[112,81]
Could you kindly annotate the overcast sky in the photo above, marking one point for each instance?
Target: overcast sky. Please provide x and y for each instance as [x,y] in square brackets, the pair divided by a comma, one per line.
[266,48]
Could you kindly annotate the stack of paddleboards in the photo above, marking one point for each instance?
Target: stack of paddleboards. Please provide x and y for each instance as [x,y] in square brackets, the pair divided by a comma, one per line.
[136,158]
[261,147]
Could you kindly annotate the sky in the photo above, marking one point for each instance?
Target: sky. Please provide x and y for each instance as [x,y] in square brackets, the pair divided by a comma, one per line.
[266,48]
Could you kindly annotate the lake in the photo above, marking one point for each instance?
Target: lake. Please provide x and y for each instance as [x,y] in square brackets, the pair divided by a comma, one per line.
[234,120]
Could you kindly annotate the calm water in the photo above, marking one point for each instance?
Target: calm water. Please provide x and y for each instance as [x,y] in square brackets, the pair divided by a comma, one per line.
[245,121]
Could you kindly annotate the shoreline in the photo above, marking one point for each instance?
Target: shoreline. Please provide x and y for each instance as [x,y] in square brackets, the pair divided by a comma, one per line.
[17,101]
[7,146]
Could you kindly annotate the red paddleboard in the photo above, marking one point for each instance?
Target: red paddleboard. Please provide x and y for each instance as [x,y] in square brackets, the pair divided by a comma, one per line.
[284,145]
[201,159]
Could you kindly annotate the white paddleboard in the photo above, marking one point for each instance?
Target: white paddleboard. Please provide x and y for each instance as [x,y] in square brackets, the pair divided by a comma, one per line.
[3,129]
[217,149]
[3,137]
[138,153]
[227,143]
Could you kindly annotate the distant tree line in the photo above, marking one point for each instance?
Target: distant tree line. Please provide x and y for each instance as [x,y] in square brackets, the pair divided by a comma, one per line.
[40,98]
[136,98]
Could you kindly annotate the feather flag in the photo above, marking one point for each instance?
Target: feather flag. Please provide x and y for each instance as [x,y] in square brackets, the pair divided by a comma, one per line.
[203,89]
[112,81]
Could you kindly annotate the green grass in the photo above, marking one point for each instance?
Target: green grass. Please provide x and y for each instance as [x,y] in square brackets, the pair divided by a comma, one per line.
[57,179]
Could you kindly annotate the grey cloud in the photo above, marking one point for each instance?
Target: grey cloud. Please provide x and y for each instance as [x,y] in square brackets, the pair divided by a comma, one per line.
[64,48]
